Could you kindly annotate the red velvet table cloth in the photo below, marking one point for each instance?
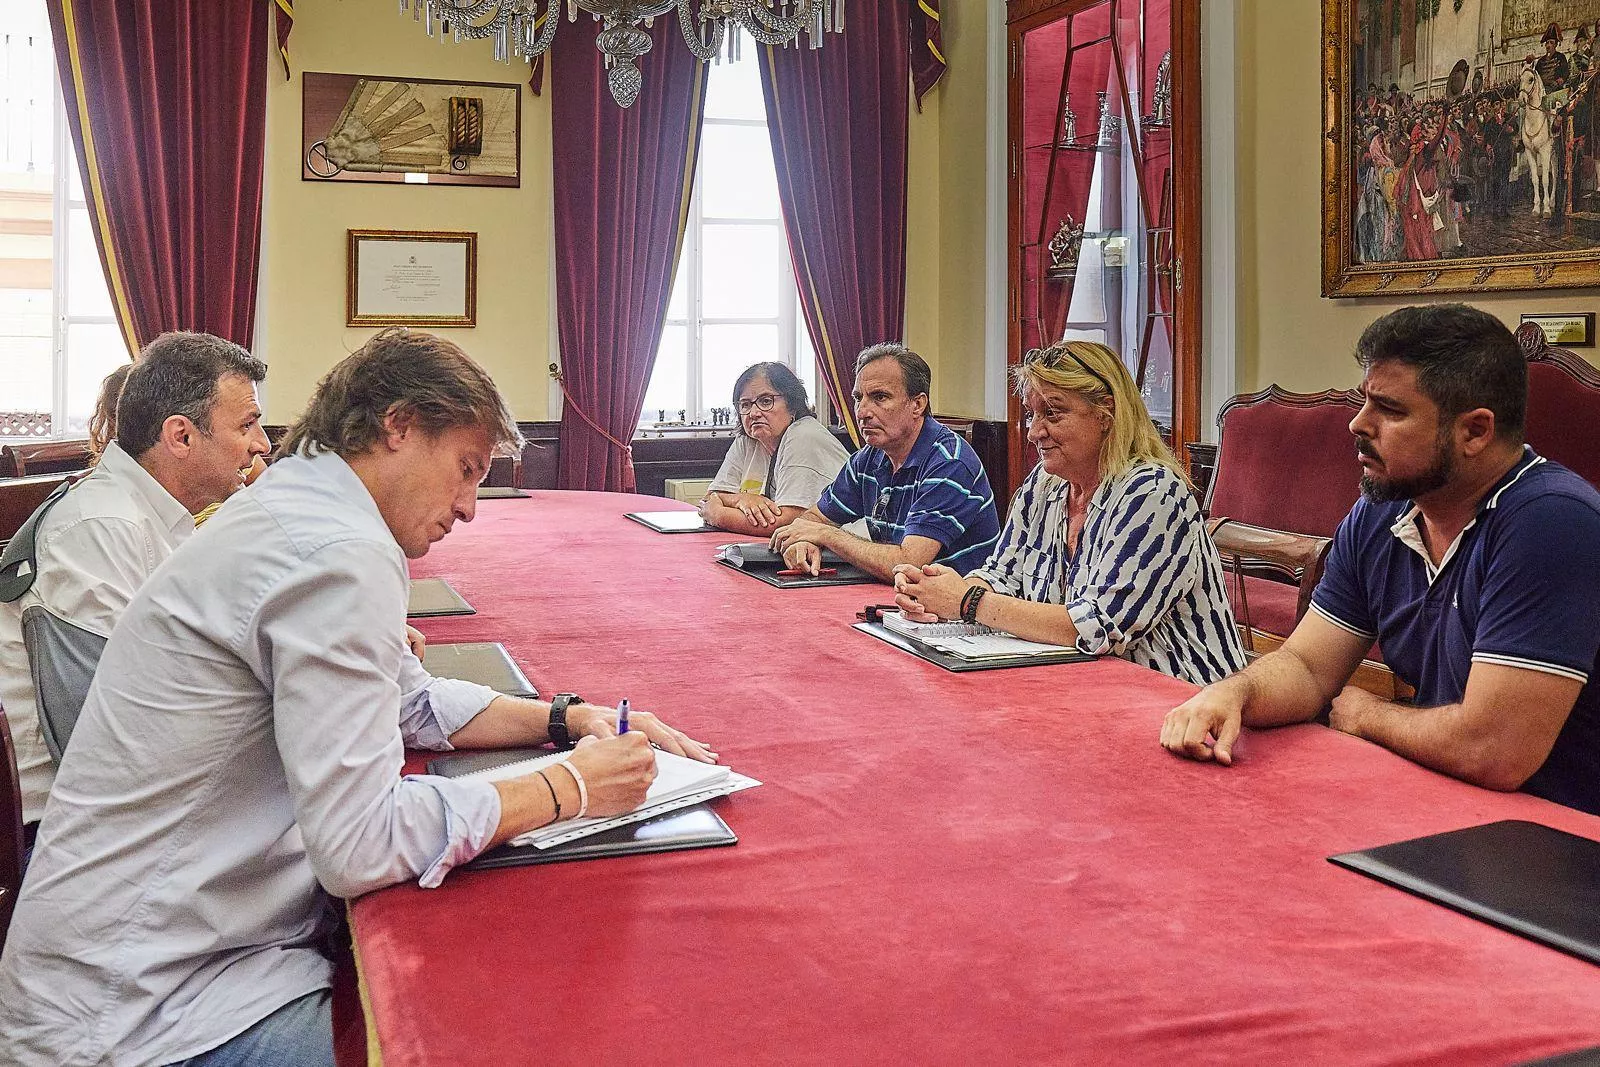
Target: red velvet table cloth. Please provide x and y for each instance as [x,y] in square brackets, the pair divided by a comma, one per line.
[1001,866]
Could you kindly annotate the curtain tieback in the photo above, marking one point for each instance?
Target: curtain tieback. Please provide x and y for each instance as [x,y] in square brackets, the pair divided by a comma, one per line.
[629,483]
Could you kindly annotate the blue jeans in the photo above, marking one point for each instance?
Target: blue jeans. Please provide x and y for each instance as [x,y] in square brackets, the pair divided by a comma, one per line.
[299,1034]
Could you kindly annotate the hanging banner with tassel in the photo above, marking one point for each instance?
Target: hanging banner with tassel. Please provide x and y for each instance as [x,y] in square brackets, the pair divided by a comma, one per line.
[927,47]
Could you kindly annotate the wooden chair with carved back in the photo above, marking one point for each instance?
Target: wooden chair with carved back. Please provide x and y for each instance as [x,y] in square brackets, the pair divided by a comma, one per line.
[46,457]
[1563,420]
[1286,475]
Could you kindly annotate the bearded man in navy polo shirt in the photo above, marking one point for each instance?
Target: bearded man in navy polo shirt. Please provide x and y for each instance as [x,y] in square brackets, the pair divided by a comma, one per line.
[919,487]
[1474,563]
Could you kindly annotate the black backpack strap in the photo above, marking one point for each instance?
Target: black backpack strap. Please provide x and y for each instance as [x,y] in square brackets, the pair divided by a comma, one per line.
[19,563]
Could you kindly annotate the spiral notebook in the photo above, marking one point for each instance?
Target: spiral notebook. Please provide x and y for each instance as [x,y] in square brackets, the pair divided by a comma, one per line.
[961,647]
[680,783]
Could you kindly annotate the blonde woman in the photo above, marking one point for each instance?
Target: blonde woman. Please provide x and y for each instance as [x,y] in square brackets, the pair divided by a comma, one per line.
[1105,548]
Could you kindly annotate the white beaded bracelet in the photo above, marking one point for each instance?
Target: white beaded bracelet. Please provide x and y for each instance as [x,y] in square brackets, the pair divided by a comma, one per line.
[583,788]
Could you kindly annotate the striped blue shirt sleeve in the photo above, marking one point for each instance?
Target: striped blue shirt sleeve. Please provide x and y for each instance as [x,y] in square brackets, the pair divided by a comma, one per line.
[947,501]
[844,501]
[1143,553]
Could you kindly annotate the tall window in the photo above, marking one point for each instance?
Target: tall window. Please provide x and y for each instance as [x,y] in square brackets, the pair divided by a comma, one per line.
[58,334]
[733,302]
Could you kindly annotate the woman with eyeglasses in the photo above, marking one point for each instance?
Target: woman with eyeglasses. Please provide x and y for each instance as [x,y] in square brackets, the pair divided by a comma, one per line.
[781,460]
[1104,548]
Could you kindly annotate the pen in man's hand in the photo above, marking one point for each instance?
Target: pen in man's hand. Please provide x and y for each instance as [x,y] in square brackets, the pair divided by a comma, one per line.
[622,717]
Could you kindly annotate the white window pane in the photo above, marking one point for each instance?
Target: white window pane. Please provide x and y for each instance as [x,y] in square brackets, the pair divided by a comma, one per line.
[739,265]
[736,174]
[26,366]
[668,380]
[734,89]
[86,280]
[94,350]
[728,350]
[678,303]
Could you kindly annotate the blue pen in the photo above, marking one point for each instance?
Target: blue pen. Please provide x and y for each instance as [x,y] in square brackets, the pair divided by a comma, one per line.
[622,717]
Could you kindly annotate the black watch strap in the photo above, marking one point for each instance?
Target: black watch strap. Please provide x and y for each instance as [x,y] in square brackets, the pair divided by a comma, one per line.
[558,718]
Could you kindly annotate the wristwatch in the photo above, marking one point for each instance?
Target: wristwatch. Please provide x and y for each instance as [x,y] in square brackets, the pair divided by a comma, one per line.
[558,718]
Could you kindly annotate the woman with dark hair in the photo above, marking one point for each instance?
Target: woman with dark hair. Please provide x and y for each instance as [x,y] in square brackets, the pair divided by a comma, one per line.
[781,460]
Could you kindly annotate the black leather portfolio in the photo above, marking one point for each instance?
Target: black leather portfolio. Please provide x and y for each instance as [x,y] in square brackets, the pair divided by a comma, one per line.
[673,831]
[485,662]
[1541,883]
[432,597]
[760,562]
[670,521]
[959,664]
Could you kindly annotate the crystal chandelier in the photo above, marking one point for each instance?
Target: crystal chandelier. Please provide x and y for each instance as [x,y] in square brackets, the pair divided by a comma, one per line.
[526,27]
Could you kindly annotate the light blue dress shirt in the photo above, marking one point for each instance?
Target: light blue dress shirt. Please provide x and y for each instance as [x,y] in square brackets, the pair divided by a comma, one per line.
[238,760]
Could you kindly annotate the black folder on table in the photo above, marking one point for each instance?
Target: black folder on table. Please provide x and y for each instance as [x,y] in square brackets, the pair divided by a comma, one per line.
[485,662]
[760,562]
[500,492]
[670,522]
[958,665]
[1532,880]
[673,831]
[431,597]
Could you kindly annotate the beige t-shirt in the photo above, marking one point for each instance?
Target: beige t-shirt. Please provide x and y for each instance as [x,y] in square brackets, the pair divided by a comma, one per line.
[808,460]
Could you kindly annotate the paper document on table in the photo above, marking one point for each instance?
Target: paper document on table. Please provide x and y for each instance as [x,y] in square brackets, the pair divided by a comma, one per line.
[967,640]
[679,782]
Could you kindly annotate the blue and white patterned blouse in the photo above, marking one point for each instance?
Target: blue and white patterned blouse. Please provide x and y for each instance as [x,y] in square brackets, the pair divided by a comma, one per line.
[1146,583]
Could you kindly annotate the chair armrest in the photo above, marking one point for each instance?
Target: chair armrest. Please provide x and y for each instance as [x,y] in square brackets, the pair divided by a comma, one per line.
[1302,554]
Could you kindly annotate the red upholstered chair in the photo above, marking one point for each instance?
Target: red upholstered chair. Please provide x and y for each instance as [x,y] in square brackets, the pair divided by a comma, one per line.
[1286,463]
[1563,404]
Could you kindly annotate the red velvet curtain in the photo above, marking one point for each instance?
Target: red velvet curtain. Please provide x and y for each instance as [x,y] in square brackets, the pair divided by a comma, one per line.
[622,183]
[167,104]
[837,117]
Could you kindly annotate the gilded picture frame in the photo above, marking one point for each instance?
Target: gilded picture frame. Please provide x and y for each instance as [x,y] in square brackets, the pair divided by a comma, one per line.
[1429,184]
[411,278]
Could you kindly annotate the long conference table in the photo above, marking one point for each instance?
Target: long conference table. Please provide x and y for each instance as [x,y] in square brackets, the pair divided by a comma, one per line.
[999,866]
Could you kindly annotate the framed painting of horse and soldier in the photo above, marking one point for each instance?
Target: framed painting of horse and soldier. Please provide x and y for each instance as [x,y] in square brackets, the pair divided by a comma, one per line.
[1461,148]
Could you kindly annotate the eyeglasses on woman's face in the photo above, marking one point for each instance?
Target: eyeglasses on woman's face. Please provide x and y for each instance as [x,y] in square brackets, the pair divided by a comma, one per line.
[766,402]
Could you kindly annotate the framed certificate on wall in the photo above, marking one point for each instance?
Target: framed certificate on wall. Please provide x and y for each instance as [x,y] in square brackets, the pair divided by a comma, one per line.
[411,278]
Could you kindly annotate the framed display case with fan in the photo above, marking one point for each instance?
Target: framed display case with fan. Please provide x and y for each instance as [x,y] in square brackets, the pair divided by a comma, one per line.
[1104,208]
[365,128]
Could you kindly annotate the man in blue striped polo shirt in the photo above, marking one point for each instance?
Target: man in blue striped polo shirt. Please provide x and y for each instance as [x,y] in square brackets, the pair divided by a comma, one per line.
[1473,562]
[920,488]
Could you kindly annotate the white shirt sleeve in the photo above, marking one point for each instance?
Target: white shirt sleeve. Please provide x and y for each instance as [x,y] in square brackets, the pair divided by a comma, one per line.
[431,709]
[809,459]
[89,571]
[731,473]
[331,627]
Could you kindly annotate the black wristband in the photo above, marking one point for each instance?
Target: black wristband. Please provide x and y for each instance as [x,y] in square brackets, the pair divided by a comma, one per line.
[553,798]
[969,604]
[557,727]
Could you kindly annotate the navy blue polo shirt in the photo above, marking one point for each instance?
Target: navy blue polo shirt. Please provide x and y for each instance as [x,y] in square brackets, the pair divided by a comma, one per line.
[1520,587]
[940,492]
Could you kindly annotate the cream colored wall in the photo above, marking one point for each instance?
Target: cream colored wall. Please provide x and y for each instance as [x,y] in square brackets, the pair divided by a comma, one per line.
[945,212]
[1287,333]
[303,235]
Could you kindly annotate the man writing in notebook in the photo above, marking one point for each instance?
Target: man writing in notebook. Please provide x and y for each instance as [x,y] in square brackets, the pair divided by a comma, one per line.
[920,488]
[239,755]
[1472,561]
